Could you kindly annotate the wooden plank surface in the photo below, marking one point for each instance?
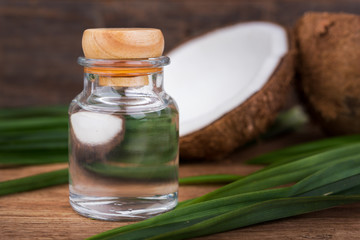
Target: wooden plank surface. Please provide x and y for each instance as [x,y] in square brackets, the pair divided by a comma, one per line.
[41,40]
[46,213]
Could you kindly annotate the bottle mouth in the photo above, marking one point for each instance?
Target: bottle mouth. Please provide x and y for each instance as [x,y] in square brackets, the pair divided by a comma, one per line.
[124,63]
[123,72]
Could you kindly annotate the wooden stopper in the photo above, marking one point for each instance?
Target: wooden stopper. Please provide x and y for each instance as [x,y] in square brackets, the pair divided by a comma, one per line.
[123,43]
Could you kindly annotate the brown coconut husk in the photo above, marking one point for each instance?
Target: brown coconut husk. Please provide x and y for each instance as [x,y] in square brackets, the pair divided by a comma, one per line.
[329,69]
[248,120]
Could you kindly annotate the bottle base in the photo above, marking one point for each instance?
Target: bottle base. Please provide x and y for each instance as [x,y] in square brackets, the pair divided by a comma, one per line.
[122,208]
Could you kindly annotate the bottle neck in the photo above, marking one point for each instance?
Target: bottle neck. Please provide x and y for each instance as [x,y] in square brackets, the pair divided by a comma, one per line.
[125,86]
[96,82]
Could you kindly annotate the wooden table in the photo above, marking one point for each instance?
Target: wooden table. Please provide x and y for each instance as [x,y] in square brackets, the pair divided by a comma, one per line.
[46,213]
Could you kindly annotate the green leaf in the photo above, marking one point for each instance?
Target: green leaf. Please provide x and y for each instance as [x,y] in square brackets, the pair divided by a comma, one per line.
[343,170]
[257,213]
[34,146]
[201,210]
[330,185]
[29,112]
[34,182]
[210,179]
[36,123]
[32,158]
[283,174]
[303,150]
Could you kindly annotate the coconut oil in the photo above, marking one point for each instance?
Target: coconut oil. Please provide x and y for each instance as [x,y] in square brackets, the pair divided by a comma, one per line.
[123,142]
[133,174]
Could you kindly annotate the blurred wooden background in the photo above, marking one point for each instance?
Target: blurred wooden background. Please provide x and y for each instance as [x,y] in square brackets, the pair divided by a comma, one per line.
[40,40]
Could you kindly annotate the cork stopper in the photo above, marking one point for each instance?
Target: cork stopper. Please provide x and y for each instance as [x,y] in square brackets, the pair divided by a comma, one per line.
[123,43]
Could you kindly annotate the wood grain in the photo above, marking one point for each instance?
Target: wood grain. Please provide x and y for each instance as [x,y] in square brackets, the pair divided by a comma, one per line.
[46,213]
[40,40]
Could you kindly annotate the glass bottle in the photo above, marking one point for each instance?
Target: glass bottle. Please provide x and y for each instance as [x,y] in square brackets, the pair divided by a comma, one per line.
[123,141]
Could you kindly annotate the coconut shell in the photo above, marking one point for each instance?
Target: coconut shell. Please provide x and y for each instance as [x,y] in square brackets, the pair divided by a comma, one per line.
[329,69]
[245,122]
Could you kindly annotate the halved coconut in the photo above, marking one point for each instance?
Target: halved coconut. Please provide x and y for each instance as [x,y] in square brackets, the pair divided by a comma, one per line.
[329,69]
[229,85]
[94,134]
[93,128]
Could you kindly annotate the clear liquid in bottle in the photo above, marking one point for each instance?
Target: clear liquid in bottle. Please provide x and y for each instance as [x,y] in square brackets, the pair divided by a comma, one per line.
[123,166]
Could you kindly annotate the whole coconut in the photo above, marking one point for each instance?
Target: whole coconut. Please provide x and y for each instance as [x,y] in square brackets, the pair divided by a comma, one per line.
[329,69]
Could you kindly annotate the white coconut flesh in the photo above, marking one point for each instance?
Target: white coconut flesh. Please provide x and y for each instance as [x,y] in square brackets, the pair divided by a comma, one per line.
[95,128]
[214,73]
